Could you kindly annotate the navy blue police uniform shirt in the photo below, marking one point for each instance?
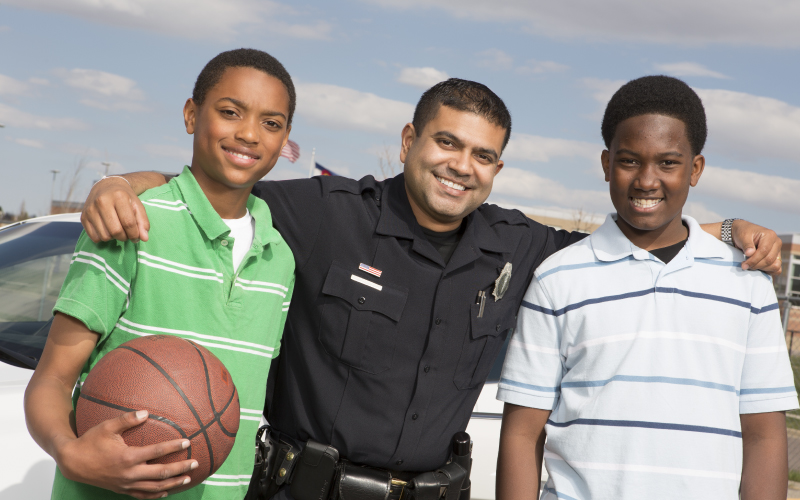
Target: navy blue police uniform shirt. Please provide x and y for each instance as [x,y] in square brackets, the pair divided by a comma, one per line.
[388,371]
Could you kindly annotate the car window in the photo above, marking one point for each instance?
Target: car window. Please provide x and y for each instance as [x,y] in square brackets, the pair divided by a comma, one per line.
[34,259]
[497,368]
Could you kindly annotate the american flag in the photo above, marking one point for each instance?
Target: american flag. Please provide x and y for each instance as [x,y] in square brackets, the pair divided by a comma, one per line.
[291,151]
[371,270]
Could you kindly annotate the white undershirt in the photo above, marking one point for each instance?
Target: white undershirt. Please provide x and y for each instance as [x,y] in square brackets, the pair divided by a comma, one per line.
[242,230]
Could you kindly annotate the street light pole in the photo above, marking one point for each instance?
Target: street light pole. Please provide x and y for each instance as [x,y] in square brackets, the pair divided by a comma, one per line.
[106,164]
[52,188]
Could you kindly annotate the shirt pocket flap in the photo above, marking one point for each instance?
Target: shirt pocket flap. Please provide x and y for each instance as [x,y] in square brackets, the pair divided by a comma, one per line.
[365,294]
[495,320]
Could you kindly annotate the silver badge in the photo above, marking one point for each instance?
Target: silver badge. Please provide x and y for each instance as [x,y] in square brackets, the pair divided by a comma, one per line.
[501,283]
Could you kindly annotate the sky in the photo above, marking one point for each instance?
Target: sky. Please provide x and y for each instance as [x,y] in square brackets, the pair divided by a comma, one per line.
[93,85]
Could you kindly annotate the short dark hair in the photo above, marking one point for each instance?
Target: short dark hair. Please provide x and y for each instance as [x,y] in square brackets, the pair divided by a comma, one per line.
[242,58]
[462,95]
[662,95]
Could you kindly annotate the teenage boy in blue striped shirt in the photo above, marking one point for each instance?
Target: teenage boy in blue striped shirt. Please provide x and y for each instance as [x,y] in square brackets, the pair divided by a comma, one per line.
[665,373]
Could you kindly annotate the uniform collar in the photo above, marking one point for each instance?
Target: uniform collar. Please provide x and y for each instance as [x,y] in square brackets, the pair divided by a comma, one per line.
[610,244]
[398,220]
[209,220]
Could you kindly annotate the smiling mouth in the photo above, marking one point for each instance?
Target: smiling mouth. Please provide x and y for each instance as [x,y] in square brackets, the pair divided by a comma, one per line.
[646,202]
[451,184]
[243,156]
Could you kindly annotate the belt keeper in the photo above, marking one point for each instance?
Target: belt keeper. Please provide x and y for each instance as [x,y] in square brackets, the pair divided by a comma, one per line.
[284,472]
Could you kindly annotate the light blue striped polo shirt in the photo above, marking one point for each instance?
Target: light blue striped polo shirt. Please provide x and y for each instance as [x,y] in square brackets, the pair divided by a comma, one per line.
[646,366]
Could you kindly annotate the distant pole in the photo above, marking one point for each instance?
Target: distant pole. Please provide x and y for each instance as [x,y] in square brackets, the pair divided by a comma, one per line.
[313,163]
[52,188]
[106,164]
[2,125]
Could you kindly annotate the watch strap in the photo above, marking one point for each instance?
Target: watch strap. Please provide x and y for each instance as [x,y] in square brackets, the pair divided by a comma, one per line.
[725,234]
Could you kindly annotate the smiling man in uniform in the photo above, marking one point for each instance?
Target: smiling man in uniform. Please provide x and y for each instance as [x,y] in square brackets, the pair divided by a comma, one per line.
[396,319]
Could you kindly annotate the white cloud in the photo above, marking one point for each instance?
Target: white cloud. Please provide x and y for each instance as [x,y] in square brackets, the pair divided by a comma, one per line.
[31,143]
[340,107]
[523,184]
[100,82]
[751,126]
[197,19]
[601,89]
[527,147]
[766,191]
[688,69]
[423,78]
[113,105]
[701,213]
[683,22]
[39,81]
[534,67]
[13,117]
[169,151]
[9,85]
[495,59]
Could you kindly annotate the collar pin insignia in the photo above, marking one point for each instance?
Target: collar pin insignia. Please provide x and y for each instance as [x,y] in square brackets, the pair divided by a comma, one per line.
[501,283]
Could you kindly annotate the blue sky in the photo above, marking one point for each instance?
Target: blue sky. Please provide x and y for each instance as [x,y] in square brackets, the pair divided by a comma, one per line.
[84,81]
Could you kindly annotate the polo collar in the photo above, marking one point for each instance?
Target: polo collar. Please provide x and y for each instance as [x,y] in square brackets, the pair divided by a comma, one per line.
[610,244]
[265,233]
[204,214]
[398,220]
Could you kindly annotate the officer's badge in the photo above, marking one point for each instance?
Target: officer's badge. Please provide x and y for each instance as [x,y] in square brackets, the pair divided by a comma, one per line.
[501,283]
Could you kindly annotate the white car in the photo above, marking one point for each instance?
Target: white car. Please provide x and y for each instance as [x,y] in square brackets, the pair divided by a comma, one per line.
[34,258]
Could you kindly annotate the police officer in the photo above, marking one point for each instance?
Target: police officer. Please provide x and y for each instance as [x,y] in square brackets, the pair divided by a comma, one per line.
[405,289]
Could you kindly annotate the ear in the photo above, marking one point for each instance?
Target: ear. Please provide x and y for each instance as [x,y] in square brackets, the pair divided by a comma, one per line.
[500,165]
[407,137]
[698,165]
[189,114]
[605,158]
[286,137]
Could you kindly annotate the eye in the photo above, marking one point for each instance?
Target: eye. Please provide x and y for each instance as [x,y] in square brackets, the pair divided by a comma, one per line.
[446,143]
[272,124]
[229,113]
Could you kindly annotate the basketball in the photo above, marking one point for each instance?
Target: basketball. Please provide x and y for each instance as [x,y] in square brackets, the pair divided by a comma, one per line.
[187,390]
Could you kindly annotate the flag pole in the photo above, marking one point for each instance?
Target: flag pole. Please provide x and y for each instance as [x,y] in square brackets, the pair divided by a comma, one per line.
[313,163]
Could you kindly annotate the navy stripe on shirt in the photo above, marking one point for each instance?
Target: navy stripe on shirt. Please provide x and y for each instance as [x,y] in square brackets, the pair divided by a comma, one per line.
[647,425]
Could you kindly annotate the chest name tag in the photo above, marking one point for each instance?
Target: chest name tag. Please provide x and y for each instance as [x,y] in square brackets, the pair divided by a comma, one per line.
[370,284]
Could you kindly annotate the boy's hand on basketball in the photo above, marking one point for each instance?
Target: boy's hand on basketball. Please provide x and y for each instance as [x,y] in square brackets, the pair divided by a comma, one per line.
[100,457]
[760,245]
[113,211]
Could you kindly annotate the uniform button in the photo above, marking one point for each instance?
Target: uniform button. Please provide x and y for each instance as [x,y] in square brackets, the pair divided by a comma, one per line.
[427,369]
[377,198]
[497,328]
[438,321]
[414,416]
[361,300]
[224,243]
[399,462]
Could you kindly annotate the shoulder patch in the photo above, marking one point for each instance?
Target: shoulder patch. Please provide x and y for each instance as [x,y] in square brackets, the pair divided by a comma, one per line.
[494,214]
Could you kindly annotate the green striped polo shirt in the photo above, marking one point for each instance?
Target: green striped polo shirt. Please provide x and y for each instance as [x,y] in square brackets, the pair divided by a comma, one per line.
[181,282]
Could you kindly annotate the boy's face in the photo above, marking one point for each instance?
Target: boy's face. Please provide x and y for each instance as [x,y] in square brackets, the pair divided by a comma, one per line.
[650,167]
[450,166]
[240,128]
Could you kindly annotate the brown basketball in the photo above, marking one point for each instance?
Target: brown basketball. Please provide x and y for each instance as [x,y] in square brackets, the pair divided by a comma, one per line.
[187,390]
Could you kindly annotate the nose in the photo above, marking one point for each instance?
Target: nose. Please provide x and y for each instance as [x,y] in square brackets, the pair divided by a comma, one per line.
[461,165]
[248,131]
[647,178]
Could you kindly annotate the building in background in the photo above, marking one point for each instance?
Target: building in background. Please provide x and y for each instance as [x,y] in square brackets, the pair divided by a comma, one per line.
[787,287]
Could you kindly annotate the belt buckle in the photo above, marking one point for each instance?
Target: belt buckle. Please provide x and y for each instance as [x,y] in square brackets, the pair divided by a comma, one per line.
[402,484]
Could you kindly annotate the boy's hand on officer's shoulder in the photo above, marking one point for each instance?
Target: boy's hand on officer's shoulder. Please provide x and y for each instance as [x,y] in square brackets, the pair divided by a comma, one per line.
[113,209]
[101,458]
[760,245]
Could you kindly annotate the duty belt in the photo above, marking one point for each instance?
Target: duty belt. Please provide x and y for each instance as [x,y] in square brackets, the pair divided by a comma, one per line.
[315,472]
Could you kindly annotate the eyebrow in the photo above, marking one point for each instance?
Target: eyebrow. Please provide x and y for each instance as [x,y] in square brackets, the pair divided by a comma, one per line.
[634,153]
[488,151]
[237,102]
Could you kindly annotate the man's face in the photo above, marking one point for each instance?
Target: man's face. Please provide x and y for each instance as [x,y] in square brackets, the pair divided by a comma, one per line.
[240,128]
[649,167]
[450,167]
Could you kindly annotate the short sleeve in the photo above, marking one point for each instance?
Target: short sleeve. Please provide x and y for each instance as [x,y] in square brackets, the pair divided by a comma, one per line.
[96,290]
[767,382]
[533,367]
[298,208]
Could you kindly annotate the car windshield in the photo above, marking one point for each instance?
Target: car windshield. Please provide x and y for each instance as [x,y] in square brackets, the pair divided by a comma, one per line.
[34,259]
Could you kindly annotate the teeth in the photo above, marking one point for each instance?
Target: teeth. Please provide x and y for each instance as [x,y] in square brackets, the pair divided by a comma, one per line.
[643,203]
[450,184]
[239,155]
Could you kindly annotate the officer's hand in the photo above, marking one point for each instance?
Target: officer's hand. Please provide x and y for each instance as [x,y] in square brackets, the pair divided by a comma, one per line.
[113,211]
[101,458]
[760,245]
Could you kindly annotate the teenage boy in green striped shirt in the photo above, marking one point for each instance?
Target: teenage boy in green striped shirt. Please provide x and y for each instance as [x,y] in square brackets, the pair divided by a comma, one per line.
[217,241]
